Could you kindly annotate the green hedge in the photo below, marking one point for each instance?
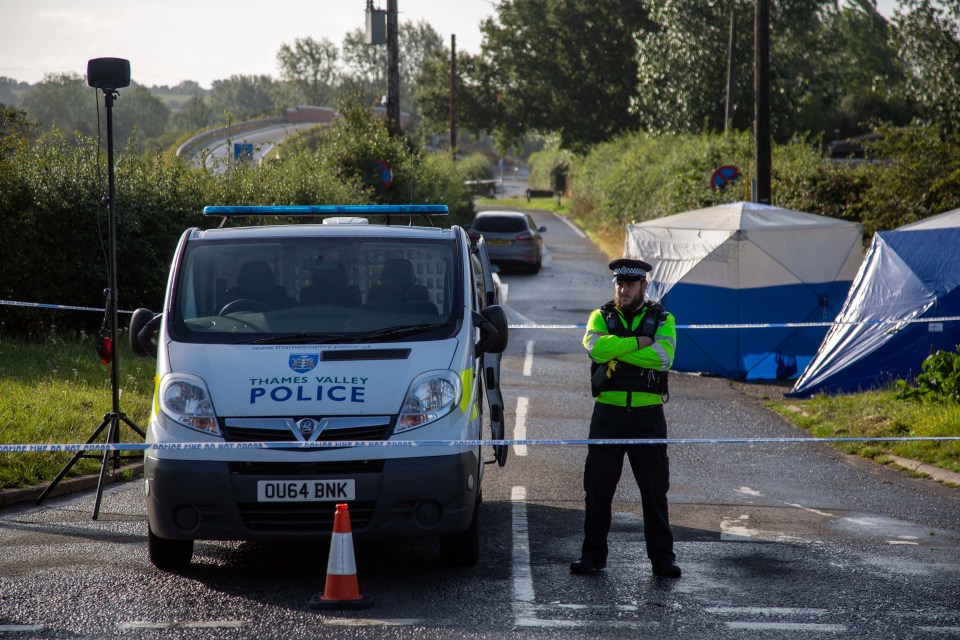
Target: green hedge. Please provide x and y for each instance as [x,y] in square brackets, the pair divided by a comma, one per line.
[55,223]
[908,174]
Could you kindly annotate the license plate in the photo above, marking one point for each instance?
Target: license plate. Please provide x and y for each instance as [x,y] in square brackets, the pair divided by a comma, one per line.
[498,242]
[305,490]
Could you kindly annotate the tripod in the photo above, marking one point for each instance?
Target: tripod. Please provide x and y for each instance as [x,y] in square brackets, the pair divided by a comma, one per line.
[108,350]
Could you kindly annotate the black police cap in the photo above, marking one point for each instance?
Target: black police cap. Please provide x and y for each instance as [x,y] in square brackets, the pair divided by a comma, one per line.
[629,270]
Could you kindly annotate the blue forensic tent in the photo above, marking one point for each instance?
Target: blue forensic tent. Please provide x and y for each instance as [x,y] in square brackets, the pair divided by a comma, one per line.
[748,263]
[909,274]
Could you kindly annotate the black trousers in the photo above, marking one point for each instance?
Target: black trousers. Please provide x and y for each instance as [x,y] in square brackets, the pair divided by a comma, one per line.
[651,469]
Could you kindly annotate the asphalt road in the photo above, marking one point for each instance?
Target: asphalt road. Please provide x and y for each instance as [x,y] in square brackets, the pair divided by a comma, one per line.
[775,541]
[220,152]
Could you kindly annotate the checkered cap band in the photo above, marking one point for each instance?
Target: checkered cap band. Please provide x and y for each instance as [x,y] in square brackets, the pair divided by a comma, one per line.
[629,271]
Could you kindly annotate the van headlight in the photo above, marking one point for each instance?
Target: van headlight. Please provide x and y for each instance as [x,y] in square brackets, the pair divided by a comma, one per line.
[431,396]
[184,399]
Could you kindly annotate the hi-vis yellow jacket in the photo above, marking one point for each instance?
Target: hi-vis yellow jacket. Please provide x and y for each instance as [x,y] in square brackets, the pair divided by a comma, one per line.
[616,343]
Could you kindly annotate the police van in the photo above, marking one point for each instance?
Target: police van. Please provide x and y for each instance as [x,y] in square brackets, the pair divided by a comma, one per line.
[304,365]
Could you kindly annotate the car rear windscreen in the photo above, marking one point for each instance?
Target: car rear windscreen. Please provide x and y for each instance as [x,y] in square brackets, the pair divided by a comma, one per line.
[506,224]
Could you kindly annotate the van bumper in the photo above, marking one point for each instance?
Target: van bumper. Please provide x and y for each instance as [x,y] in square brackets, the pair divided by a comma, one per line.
[207,500]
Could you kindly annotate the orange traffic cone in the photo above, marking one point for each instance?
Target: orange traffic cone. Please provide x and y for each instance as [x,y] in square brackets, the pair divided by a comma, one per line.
[341,590]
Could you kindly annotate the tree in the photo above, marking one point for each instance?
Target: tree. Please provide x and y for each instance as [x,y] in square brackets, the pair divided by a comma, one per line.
[195,114]
[310,67]
[863,75]
[244,97]
[138,109]
[365,65]
[565,66]
[832,68]
[477,107]
[7,86]
[681,75]
[63,101]
[928,41]
[188,87]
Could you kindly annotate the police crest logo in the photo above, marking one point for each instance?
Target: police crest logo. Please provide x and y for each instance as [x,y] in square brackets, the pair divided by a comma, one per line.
[303,362]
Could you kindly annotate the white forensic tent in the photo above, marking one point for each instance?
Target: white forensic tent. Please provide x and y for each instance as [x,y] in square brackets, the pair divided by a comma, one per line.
[747,263]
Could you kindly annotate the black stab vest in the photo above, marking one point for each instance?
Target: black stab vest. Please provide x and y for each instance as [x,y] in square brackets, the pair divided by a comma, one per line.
[628,377]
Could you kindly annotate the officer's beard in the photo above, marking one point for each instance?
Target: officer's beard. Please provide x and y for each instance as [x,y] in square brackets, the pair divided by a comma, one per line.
[629,307]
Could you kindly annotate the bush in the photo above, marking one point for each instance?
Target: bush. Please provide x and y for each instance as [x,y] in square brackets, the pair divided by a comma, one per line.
[55,219]
[939,382]
[546,164]
[638,177]
[476,166]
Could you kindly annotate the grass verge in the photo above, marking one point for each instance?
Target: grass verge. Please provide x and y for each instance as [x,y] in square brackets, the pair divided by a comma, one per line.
[538,204]
[57,392]
[874,414]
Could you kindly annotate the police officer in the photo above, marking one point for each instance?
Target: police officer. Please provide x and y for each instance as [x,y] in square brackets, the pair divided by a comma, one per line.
[631,343]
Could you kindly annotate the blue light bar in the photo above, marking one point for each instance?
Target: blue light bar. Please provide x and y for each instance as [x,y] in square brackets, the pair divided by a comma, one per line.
[331,210]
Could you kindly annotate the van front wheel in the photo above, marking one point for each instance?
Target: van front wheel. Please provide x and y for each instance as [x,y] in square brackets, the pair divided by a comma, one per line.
[463,549]
[168,554]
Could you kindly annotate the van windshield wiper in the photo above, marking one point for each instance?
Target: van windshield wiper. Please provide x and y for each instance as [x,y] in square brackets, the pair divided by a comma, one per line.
[330,338]
[390,332]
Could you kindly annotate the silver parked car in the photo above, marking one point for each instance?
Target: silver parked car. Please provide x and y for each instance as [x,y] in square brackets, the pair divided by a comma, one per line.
[512,237]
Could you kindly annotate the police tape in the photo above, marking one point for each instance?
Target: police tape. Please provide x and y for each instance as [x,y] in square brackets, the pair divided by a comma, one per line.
[748,325]
[342,444]
[763,325]
[61,307]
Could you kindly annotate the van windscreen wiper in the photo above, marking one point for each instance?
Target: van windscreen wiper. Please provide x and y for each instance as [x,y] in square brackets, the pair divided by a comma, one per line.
[391,332]
[331,338]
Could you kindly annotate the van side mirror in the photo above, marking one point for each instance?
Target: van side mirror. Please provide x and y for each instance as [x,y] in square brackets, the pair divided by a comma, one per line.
[492,322]
[143,332]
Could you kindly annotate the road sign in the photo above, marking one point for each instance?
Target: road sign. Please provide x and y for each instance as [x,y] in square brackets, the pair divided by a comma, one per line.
[242,151]
[724,176]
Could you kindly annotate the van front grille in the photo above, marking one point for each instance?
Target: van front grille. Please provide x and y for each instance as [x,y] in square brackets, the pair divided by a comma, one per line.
[314,518]
[330,429]
[301,469]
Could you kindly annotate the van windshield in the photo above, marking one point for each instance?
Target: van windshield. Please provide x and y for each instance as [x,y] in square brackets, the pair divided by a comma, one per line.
[316,290]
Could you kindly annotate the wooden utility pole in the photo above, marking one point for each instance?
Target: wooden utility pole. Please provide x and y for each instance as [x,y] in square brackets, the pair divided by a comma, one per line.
[761,100]
[393,69]
[453,96]
[731,69]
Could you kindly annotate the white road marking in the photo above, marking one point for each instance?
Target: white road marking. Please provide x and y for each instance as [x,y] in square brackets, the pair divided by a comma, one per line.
[575,228]
[524,612]
[597,607]
[520,426]
[20,628]
[867,523]
[800,506]
[371,622]
[735,529]
[765,611]
[807,627]
[750,492]
[185,624]
[944,630]
[528,360]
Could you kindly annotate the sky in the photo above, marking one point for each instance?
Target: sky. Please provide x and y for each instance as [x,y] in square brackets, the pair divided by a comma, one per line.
[168,41]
